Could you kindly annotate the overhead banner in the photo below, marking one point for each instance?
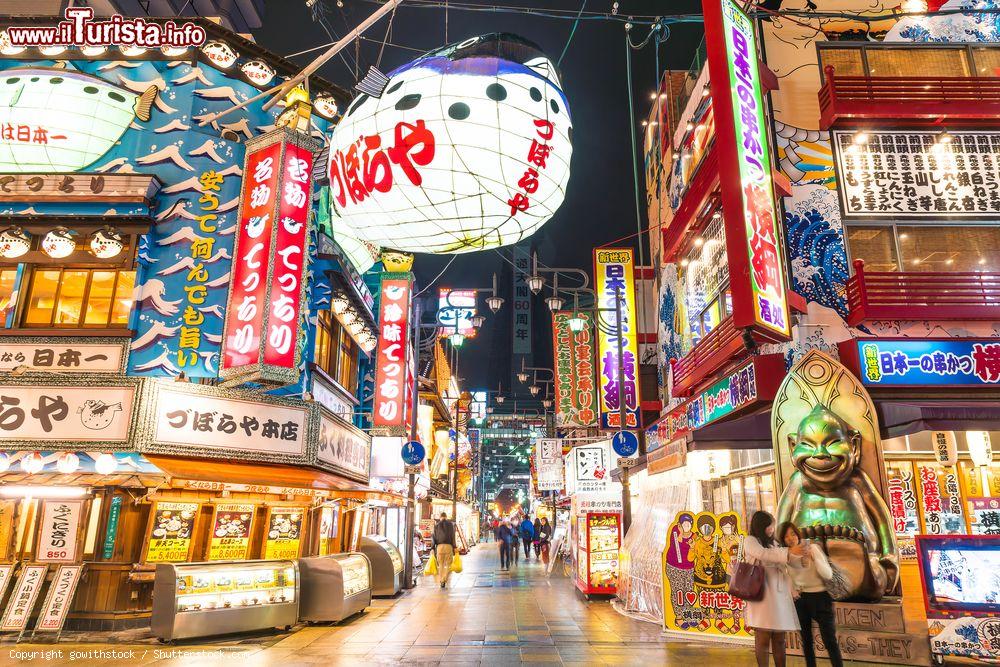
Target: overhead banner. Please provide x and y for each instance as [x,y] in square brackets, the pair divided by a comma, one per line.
[753,240]
[916,362]
[267,289]
[392,353]
[549,465]
[521,308]
[915,175]
[576,392]
[614,275]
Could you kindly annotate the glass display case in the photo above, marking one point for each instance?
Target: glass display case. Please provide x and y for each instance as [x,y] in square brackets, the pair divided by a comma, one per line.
[386,562]
[334,587]
[598,542]
[204,599]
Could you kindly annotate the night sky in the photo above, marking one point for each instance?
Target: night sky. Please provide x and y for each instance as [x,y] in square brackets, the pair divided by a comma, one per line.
[600,201]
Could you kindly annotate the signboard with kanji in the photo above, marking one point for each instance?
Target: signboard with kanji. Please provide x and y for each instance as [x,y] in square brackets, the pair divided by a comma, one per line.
[916,175]
[392,354]
[22,600]
[59,531]
[169,535]
[230,537]
[613,280]
[59,598]
[576,392]
[920,362]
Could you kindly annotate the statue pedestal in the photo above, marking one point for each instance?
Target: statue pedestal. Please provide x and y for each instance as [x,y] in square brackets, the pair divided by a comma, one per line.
[871,632]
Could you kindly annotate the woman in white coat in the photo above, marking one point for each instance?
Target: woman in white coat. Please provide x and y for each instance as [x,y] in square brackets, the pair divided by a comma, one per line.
[774,614]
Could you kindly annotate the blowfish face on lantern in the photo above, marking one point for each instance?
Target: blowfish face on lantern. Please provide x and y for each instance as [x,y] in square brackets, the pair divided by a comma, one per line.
[466,148]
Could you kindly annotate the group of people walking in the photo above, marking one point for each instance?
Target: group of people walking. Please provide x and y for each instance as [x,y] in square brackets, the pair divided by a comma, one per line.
[511,534]
[794,592]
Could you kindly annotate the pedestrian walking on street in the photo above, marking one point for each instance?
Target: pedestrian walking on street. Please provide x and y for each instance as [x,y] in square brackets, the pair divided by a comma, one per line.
[504,538]
[812,601]
[544,538]
[515,546]
[774,614]
[527,536]
[445,546]
[537,541]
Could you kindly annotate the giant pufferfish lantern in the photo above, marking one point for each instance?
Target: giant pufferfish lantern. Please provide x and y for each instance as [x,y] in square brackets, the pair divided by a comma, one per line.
[464,149]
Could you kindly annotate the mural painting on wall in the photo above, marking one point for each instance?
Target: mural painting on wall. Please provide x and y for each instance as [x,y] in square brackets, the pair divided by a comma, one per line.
[828,457]
[151,110]
[700,549]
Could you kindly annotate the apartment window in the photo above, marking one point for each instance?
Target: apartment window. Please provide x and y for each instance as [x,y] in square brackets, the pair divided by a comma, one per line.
[923,248]
[335,352]
[987,61]
[845,62]
[919,62]
[78,298]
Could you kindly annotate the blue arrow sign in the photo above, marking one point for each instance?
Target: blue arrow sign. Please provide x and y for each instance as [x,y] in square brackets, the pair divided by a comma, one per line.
[625,443]
[413,453]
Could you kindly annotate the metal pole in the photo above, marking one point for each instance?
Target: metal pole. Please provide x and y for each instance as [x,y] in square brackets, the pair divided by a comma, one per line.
[454,466]
[626,499]
[411,505]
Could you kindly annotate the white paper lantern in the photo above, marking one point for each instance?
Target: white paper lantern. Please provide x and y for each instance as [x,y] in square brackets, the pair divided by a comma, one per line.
[67,463]
[105,464]
[4,462]
[106,243]
[32,463]
[980,447]
[467,148]
[59,243]
[14,242]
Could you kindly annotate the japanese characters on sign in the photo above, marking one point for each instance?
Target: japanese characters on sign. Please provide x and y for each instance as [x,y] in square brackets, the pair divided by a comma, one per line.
[22,600]
[63,356]
[902,500]
[59,598]
[231,524]
[61,414]
[284,532]
[590,468]
[456,307]
[549,465]
[521,307]
[536,159]
[914,175]
[666,457]
[955,361]
[245,309]
[58,530]
[945,447]
[344,448]
[392,356]
[751,217]
[942,503]
[202,251]
[171,525]
[613,280]
[984,516]
[65,187]
[188,419]
[269,262]
[576,393]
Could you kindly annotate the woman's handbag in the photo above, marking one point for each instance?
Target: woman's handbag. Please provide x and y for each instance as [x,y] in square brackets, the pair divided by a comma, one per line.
[747,580]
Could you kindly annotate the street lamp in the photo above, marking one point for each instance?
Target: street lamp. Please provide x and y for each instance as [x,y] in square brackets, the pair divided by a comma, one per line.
[477,321]
[522,377]
[534,389]
[457,339]
[554,303]
[535,283]
[577,323]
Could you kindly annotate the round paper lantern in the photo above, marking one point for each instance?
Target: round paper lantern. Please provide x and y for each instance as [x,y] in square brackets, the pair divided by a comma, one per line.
[106,242]
[14,242]
[58,243]
[464,149]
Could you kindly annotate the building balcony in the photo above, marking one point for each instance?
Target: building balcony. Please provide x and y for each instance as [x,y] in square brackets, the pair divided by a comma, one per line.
[921,296]
[720,346]
[847,101]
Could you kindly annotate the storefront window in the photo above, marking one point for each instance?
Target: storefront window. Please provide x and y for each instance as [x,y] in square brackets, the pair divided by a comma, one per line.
[336,353]
[736,494]
[8,278]
[347,363]
[327,330]
[925,248]
[705,275]
[78,298]
[752,499]
[766,487]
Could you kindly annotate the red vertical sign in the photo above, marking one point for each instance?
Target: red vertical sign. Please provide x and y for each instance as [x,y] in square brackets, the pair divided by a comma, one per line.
[269,261]
[248,282]
[290,257]
[391,356]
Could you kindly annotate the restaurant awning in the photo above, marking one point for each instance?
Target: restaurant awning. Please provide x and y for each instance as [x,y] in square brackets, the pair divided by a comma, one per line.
[381,496]
[748,432]
[898,418]
[288,478]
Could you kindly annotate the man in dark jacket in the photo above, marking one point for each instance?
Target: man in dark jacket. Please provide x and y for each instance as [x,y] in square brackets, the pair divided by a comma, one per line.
[527,535]
[505,538]
[445,546]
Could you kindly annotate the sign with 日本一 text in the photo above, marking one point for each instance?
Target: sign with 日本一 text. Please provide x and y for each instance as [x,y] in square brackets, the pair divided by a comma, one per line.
[392,353]
[753,238]
[618,374]
[58,530]
[915,362]
[269,262]
[64,357]
[576,392]
[912,174]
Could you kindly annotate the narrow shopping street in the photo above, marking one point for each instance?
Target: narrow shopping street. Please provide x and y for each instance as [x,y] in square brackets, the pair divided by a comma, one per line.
[485,617]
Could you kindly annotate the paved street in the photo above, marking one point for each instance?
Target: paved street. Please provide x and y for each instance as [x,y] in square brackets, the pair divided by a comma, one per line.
[485,617]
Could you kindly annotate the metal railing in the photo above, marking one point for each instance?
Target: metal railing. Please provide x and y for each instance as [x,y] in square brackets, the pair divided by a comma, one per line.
[711,353]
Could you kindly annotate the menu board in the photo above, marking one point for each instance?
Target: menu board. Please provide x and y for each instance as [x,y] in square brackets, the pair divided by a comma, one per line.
[59,598]
[327,530]
[171,525]
[231,525]
[356,575]
[984,516]
[284,533]
[603,545]
[58,531]
[22,600]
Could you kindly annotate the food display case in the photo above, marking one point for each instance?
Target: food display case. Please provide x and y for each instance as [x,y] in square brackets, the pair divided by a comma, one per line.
[387,565]
[960,576]
[334,587]
[205,599]
[598,538]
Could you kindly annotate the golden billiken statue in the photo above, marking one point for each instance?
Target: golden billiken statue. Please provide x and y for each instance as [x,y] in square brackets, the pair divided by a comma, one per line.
[833,500]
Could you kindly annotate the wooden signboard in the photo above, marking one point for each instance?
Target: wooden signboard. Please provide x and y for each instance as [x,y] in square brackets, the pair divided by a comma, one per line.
[58,599]
[22,601]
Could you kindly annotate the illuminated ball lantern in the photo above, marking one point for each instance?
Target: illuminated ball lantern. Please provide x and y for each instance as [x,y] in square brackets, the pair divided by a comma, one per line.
[466,148]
